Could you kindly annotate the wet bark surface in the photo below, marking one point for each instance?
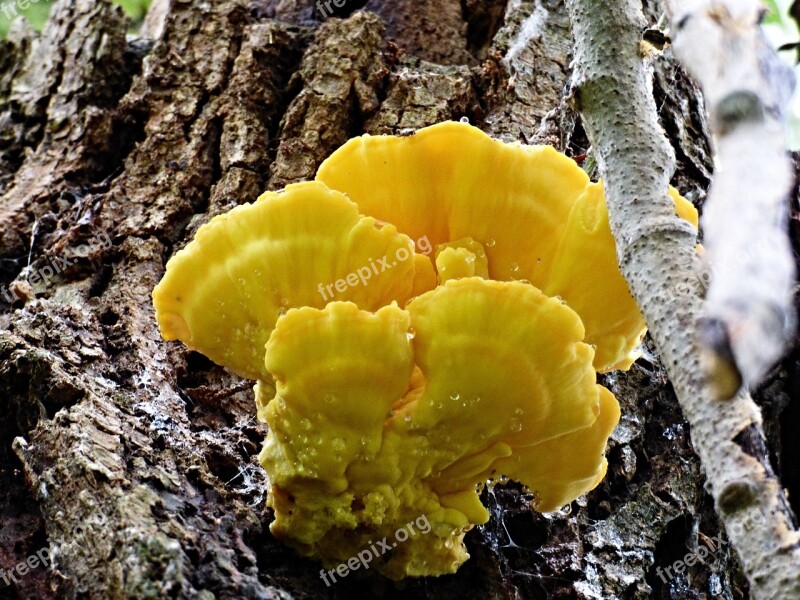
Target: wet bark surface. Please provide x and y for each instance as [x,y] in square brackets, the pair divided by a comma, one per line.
[128,465]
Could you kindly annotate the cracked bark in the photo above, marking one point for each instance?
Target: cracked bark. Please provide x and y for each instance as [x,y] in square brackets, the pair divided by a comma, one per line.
[133,461]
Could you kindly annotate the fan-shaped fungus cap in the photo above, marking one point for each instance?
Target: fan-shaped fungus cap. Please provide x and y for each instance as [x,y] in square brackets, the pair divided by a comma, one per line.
[532,210]
[222,294]
[379,414]
[361,443]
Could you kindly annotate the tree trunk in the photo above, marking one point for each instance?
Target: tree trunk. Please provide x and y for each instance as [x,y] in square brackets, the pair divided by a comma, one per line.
[129,465]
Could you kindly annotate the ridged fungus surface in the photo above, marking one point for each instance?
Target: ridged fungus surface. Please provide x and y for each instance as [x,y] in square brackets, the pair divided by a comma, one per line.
[396,382]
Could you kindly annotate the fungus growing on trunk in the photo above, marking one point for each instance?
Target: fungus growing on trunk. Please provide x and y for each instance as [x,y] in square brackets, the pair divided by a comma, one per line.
[390,397]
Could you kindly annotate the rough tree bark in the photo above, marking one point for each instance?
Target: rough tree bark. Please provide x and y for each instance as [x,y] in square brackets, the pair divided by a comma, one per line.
[131,461]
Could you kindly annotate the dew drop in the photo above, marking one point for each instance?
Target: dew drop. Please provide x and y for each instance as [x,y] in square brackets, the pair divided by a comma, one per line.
[464,120]
[455,396]
[330,398]
[515,425]
[411,333]
[514,267]
[490,243]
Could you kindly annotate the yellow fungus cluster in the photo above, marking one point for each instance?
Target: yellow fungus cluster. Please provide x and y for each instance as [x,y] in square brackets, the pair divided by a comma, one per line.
[399,394]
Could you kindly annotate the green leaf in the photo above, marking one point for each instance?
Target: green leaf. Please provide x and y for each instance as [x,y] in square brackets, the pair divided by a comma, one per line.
[773,15]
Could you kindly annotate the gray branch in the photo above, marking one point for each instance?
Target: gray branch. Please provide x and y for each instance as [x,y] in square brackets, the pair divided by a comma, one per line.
[657,256]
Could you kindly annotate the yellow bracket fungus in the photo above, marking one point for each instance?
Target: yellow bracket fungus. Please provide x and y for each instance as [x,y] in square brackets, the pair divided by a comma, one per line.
[532,209]
[507,388]
[223,293]
[397,392]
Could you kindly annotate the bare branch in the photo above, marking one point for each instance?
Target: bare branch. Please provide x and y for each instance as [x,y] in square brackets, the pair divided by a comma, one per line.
[657,255]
